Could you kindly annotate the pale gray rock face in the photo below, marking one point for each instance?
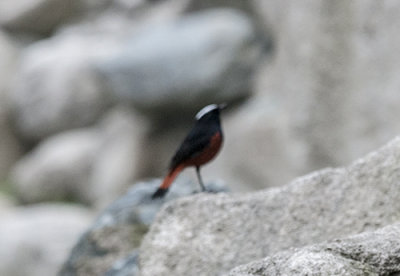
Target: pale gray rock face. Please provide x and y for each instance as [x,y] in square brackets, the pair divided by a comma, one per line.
[185,64]
[40,16]
[335,75]
[55,88]
[326,95]
[58,169]
[35,240]
[89,165]
[209,235]
[369,253]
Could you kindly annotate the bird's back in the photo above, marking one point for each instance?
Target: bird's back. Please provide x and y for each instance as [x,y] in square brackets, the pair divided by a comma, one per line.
[196,141]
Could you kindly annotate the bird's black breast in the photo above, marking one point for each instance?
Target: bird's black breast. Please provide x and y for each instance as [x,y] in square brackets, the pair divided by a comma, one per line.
[196,141]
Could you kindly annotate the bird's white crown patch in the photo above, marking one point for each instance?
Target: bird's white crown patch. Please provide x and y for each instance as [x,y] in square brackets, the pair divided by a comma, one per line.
[205,110]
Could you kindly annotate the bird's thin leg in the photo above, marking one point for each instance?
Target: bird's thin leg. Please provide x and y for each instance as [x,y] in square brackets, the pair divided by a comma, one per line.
[203,188]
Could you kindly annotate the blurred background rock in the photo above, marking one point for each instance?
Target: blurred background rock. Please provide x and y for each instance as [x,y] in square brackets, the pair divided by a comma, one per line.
[96,95]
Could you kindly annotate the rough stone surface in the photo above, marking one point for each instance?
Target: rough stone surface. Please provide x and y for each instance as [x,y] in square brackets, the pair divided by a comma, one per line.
[41,16]
[36,239]
[205,57]
[120,227]
[370,253]
[48,99]
[59,168]
[209,235]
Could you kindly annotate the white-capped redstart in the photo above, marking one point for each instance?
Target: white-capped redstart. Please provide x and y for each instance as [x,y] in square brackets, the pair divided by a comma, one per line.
[200,146]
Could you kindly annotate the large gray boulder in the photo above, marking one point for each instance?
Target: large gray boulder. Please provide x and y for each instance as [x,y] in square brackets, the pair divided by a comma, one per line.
[110,244]
[89,165]
[40,16]
[58,169]
[209,235]
[370,253]
[184,64]
[36,239]
[55,88]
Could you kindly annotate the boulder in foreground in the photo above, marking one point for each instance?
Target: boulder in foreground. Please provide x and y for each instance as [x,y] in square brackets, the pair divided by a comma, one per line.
[370,253]
[212,234]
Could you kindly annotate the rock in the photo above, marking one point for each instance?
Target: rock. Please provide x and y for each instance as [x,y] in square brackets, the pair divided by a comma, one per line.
[126,16]
[370,253]
[8,60]
[210,235]
[159,147]
[40,16]
[58,169]
[6,203]
[98,6]
[91,165]
[242,5]
[326,75]
[205,57]
[318,97]
[36,239]
[125,267]
[10,148]
[259,150]
[247,7]
[117,161]
[48,99]
[119,229]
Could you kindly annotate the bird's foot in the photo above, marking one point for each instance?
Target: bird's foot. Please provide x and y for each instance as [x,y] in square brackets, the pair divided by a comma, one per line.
[208,190]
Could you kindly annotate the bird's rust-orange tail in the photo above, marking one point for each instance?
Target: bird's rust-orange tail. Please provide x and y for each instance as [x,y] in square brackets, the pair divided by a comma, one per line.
[163,189]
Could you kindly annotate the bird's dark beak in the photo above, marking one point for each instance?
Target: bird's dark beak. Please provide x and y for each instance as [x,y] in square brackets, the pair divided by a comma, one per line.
[222,106]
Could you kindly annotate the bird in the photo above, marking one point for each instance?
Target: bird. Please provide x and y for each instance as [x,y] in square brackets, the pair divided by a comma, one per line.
[200,146]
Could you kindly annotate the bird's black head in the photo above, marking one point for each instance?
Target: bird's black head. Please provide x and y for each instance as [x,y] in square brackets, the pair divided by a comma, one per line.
[210,112]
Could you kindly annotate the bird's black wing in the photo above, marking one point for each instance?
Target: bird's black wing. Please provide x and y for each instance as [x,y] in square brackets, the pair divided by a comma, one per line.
[194,143]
